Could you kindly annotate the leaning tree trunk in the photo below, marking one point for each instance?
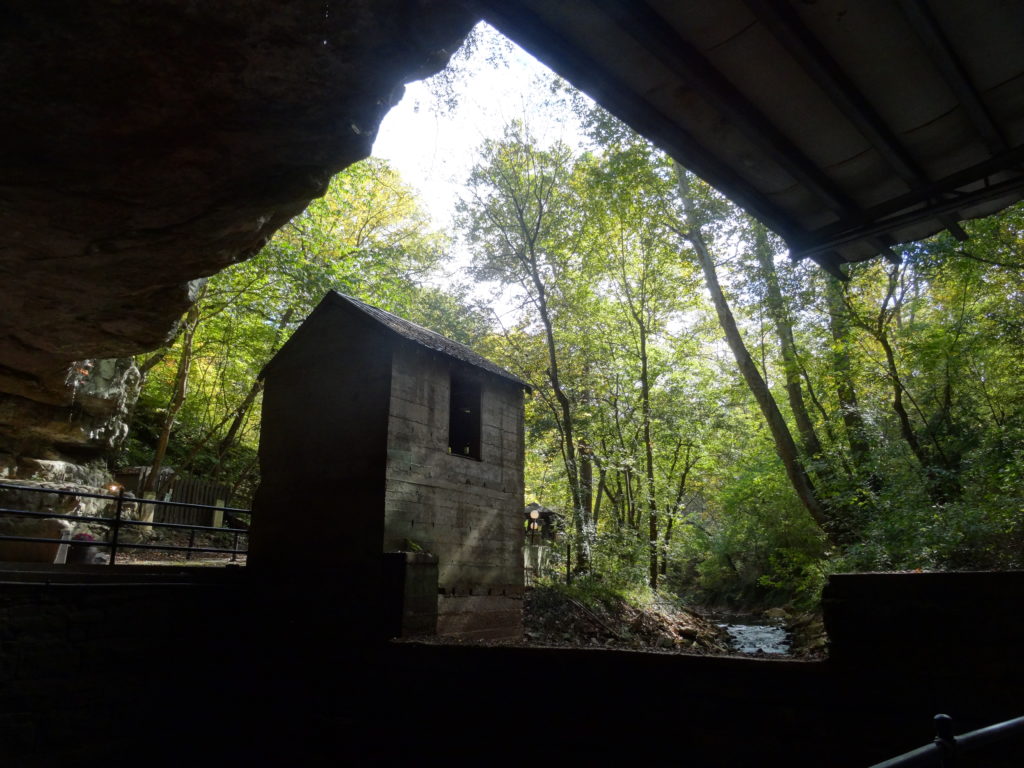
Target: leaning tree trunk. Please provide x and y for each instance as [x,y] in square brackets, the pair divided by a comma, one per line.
[242,411]
[240,415]
[785,447]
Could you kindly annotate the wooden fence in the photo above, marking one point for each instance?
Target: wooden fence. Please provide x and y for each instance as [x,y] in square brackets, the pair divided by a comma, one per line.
[187,490]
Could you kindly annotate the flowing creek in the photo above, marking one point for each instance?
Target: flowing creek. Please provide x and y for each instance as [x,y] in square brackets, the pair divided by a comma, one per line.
[763,637]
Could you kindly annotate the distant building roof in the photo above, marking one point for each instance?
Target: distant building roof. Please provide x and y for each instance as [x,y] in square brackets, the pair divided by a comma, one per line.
[417,334]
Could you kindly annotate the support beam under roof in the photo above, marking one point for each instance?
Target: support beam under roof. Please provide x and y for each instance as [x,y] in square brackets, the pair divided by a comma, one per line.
[644,60]
[654,33]
[831,239]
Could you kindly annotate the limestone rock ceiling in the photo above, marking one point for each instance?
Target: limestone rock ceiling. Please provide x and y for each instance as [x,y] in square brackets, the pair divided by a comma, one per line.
[845,125]
[144,145]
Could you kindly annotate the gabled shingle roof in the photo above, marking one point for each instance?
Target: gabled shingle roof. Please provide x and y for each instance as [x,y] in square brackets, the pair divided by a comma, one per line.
[417,334]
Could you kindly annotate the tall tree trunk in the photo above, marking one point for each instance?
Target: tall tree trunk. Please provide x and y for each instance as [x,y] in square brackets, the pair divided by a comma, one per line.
[637,305]
[689,463]
[941,476]
[853,421]
[586,460]
[906,428]
[785,447]
[599,494]
[581,514]
[652,503]
[942,479]
[630,501]
[177,399]
[779,315]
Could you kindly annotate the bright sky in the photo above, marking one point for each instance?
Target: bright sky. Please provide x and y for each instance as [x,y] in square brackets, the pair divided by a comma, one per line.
[434,149]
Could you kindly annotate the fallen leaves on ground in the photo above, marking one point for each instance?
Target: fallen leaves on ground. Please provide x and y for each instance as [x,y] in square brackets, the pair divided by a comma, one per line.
[552,617]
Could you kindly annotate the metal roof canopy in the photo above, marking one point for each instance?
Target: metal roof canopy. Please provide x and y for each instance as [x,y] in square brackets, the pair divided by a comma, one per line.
[845,125]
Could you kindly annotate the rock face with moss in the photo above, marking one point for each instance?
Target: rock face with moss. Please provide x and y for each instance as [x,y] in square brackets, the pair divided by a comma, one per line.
[81,412]
[148,145]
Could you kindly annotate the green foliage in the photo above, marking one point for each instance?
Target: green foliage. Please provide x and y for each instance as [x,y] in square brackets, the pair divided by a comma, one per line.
[595,592]
[640,431]
[939,486]
[366,237]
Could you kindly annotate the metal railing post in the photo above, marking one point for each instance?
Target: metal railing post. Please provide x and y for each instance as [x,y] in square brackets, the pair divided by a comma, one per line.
[115,529]
[945,740]
[234,550]
[191,543]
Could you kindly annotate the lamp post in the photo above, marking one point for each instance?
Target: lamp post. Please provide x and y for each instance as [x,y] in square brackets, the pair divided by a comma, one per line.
[534,525]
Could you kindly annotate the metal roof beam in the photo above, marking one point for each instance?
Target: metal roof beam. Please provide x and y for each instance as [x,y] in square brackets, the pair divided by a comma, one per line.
[1007,188]
[935,42]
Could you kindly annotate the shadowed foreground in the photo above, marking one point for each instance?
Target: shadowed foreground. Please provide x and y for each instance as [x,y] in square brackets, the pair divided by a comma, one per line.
[198,666]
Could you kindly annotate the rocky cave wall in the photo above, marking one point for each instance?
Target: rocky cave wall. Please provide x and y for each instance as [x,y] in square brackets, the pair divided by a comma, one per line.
[145,145]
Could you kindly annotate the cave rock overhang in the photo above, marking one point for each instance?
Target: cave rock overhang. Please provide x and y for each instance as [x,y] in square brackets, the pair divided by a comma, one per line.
[147,145]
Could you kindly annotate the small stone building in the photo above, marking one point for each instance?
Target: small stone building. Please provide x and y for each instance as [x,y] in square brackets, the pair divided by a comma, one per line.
[380,436]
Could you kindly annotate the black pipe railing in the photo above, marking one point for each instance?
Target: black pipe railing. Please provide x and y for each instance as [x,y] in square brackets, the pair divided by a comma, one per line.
[946,748]
[118,521]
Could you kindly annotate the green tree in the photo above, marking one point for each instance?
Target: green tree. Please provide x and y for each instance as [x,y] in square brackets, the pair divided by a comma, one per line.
[523,220]
[366,237]
[785,446]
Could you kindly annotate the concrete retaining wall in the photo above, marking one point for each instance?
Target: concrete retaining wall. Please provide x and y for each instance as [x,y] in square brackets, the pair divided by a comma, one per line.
[466,512]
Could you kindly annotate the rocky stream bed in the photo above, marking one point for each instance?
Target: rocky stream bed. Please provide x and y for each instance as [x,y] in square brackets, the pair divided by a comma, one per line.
[553,618]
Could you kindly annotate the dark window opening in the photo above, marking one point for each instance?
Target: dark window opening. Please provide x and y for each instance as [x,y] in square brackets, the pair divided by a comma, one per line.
[464,418]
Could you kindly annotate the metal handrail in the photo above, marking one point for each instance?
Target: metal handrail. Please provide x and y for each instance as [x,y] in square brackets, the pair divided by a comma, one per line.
[106,520]
[117,521]
[947,747]
[132,498]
